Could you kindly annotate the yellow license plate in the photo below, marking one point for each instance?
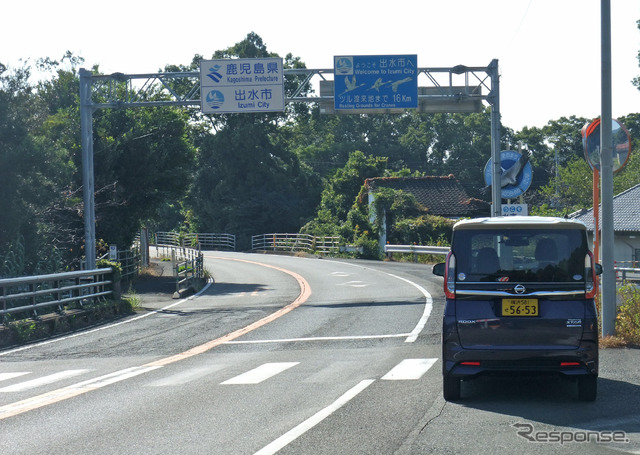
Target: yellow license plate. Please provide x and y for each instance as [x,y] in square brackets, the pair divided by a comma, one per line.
[520,307]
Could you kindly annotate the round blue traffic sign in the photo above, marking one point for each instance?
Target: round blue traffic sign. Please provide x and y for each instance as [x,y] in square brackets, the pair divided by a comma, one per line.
[516,174]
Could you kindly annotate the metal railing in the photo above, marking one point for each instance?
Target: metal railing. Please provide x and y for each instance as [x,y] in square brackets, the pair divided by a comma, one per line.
[209,241]
[167,238]
[295,242]
[206,240]
[416,250]
[187,265]
[326,244]
[33,293]
[627,274]
[129,262]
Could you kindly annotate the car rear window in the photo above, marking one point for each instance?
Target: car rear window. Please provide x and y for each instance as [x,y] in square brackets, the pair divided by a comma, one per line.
[534,255]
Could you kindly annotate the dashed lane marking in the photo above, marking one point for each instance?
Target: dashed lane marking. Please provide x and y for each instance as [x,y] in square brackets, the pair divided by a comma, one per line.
[260,374]
[409,369]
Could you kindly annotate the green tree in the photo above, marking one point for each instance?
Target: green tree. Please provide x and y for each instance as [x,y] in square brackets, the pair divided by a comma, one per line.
[34,172]
[341,192]
[248,181]
[143,160]
[573,189]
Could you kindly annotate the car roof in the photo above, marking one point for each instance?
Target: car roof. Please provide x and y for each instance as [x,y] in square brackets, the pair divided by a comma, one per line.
[509,222]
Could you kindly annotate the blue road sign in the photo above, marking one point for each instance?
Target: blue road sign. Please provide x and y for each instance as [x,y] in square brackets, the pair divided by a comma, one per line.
[376,82]
[516,174]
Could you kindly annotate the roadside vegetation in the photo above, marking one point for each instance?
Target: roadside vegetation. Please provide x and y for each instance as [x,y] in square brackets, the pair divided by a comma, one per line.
[27,330]
[627,324]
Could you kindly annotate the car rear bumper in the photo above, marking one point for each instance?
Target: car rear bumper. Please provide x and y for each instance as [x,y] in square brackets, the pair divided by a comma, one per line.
[461,362]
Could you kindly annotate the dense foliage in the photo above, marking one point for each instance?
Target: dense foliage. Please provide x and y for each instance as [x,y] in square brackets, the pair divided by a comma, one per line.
[296,171]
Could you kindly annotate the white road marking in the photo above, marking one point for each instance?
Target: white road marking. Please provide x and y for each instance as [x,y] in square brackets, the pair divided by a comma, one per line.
[340,274]
[5,376]
[409,369]
[70,391]
[428,306]
[314,420]
[413,336]
[187,376]
[262,373]
[340,338]
[44,380]
[117,376]
[355,284]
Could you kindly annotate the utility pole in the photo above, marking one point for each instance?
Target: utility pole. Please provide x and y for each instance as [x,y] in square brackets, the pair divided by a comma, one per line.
[494,100]
[606,172]
[86,131]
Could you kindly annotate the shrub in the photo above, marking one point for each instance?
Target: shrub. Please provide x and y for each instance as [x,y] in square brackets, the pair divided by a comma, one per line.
[628,318]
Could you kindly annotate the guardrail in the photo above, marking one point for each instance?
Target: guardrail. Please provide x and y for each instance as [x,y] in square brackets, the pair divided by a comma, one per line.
[187,265]
[167,238]
[206,240]
[33,293]
[416,250]
[130,262]
[295,242]
[627,274]
[209,241]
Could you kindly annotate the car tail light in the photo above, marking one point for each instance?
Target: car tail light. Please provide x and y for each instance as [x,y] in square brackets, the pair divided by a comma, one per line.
[450,276]
[569,364]
[473,364]
[591,287]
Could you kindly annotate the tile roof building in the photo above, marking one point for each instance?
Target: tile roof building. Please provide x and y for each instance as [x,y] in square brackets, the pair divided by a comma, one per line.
[626,224]
[441,196]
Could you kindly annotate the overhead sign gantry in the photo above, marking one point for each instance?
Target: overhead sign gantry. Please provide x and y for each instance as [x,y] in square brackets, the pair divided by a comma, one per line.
[448,89]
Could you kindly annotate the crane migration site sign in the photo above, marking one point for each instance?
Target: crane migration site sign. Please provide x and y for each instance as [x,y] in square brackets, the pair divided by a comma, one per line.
[242,85]
[376,82]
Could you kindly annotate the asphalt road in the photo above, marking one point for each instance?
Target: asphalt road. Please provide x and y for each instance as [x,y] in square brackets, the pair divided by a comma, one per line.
[294,356]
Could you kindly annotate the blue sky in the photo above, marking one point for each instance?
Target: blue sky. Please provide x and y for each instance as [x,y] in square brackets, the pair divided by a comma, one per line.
[548,50]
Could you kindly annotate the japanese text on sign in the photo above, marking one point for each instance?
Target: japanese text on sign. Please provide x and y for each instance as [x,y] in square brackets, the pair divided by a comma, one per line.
[242,85]
[376,82]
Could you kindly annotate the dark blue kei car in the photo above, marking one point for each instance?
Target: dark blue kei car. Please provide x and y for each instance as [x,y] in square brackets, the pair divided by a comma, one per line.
[519,299]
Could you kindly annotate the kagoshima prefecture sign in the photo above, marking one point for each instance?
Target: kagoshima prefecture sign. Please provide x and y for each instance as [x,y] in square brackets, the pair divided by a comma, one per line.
[242,85]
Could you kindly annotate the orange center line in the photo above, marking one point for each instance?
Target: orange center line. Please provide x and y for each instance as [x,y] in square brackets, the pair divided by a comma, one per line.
[65,393]
[305,293]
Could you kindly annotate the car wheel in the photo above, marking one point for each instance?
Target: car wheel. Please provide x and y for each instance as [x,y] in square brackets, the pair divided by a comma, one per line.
[587,388]
[451,388]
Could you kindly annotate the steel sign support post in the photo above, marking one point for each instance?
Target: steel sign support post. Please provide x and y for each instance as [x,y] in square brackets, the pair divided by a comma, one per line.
[494,100]
[86,131]
[606,172]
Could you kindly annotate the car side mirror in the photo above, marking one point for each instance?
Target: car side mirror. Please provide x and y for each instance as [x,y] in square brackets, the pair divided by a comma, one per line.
[598,269]
[439,269]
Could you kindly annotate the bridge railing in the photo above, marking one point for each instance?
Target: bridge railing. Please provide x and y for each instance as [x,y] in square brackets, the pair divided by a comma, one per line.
[187,265]
[211,241]
[51,293]
[295,242]
[206,240]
